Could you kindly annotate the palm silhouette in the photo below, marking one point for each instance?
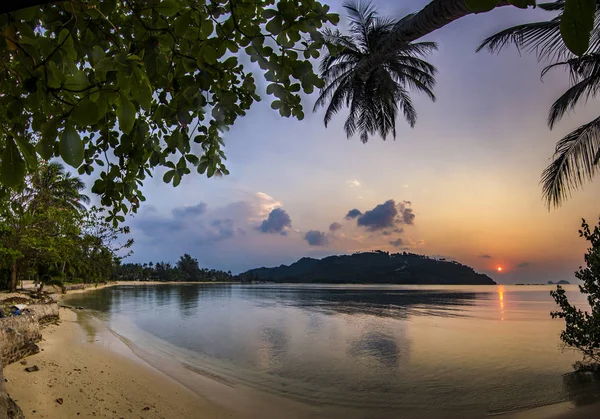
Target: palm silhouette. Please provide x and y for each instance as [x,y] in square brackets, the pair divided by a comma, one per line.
[576,157]
[375,96]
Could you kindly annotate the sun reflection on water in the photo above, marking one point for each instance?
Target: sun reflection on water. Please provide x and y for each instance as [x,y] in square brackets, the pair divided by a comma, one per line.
[501,299]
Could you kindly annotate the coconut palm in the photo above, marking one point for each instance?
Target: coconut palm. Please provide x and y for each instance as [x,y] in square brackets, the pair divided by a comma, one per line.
[376,96]
[51,185]
[577,154]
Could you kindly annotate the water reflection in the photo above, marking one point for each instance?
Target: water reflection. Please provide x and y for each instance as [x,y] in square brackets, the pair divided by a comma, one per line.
[378,345]
[501,298]
[397,303]
[374,348]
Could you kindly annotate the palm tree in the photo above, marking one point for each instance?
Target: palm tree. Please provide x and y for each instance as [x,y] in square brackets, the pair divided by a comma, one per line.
[375,96]
[51,185]
[576,157]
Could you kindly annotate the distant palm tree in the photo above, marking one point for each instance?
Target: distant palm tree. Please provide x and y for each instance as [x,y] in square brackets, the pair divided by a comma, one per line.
[577,154]
[374,96]
[52,185]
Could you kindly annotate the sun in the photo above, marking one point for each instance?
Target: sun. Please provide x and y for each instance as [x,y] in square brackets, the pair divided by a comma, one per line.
[499,268]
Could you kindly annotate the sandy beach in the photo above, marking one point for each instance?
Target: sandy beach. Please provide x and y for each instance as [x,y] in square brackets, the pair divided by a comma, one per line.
[79,378]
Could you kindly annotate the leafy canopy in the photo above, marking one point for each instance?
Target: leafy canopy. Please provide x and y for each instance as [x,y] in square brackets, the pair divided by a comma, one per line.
[125,87]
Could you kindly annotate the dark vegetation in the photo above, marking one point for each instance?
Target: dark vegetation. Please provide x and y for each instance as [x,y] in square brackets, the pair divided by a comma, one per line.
[582,327]
[186,269]
[47,234]
[371,268]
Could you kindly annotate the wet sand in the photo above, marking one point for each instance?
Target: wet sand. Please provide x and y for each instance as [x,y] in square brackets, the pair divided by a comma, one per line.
[95,380]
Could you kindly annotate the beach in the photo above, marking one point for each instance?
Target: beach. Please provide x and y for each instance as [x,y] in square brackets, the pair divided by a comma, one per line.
[80,378]
[86,370]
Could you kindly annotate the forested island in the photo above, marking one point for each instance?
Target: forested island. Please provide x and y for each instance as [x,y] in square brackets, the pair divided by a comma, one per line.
[376,267]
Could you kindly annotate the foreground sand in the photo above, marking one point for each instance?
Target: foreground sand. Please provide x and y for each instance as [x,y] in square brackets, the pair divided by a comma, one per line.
[95,381]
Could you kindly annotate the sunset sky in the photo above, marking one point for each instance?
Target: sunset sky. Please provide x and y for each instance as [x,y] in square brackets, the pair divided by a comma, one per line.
[470,169]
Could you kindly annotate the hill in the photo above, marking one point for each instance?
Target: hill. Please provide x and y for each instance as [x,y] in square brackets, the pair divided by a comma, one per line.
[371,268]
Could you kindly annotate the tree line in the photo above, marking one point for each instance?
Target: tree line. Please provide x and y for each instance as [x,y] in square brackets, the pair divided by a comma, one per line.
[186,269]
[49,236]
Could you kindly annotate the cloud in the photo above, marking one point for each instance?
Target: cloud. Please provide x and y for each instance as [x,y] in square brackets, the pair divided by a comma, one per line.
[353,183]
[387,215]
[316,238]
[397,243]
[190,211]
[278,221]
[398,230]
[353,213]
[485,256]
[197,232]
[335,226]
[523,265]
[387,233]
[407,213]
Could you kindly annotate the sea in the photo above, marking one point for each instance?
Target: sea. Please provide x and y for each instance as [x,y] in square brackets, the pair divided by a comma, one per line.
[355,351]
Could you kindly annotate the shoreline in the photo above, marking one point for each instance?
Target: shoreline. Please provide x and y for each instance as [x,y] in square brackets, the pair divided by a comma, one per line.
[93,380]
[98,373]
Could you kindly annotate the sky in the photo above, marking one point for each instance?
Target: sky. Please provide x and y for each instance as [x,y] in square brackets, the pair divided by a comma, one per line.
[463,184]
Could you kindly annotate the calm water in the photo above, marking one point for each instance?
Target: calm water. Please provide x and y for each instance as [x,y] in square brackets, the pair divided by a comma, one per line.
[371,350]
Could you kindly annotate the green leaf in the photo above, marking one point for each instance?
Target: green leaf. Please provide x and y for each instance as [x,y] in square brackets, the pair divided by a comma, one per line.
[576,24]
[192,158]
[481,6]
[77,82]
[45,149]
[206,29]
[12,170]
[168,176]
[71,147]
[211,171]
[107,64]
[28,151]
[85,113]
[269,13]
[97,55]
[202,167]
[182,23]
[126,114]
[168,7]
[275,25]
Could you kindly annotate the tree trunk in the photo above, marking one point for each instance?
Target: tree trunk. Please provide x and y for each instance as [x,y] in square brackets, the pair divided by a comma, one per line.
[13,277]
[434,16]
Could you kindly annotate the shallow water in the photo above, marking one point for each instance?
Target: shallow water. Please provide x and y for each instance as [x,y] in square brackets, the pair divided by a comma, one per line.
[375,349]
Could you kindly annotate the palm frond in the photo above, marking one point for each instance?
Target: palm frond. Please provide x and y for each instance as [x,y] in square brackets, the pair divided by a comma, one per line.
[585,76]
[542,38]
[361,14]
[575,162]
